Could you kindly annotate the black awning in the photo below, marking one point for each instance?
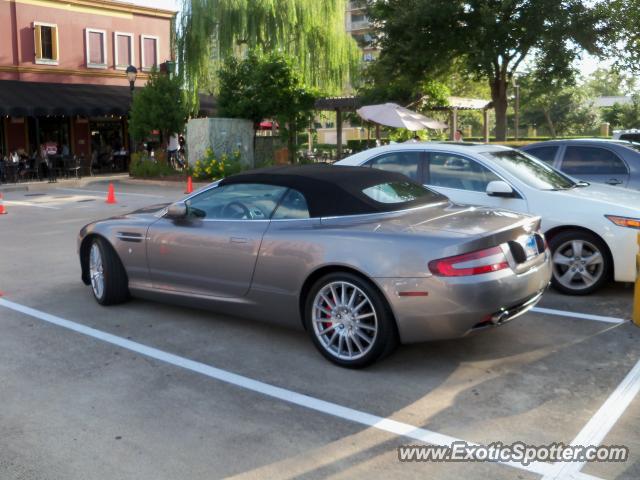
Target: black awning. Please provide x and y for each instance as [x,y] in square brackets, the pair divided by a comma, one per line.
[39,99]
[20,99]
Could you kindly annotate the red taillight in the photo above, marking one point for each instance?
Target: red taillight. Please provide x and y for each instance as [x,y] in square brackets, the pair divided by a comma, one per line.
[454,266]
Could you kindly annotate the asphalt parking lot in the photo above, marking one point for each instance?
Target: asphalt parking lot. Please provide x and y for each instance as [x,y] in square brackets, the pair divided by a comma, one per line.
[158,391]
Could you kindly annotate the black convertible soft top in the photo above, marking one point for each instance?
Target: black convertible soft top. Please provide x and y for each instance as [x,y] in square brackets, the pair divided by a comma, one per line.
[334,190]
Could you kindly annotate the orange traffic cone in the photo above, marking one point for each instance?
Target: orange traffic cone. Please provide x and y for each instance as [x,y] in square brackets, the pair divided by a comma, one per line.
[189,185]
[2,210]
[111,195]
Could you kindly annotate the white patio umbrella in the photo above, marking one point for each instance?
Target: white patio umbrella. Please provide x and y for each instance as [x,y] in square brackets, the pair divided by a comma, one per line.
[393,115]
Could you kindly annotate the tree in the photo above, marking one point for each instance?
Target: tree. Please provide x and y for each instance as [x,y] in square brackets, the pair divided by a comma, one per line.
[159,105]
[266,86]
[559,103]
[491,39]
[624,116]
[310,32]
[605,82]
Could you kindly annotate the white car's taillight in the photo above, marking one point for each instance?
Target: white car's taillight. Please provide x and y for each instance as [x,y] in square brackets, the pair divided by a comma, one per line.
[474,263]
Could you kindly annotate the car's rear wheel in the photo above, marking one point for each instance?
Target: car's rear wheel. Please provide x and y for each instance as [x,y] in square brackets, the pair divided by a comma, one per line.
[581,264]
[349,320]
[109,282]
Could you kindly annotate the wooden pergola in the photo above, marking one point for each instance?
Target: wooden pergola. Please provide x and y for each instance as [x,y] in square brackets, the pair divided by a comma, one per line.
[338,105]
[457,104]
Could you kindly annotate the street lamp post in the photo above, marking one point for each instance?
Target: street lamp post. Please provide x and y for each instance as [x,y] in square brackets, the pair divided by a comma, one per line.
[516,107]
[132,73]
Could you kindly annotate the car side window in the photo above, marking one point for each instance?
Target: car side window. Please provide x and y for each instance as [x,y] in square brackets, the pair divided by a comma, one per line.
[293,206]
[592,161]
[406,163]
[242,201]
[546,154]
[449,170]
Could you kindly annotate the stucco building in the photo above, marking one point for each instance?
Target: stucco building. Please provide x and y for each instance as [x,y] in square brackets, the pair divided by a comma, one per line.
[62,71]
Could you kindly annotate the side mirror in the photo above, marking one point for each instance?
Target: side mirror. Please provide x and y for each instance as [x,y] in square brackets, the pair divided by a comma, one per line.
[498,188]
[177,210]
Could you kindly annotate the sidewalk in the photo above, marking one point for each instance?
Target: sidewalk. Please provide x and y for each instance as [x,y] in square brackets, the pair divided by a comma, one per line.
[120,178]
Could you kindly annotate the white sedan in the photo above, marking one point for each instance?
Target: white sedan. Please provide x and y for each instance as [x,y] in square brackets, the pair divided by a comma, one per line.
[591,229]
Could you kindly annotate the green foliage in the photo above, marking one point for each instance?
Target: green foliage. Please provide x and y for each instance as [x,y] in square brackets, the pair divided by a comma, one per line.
[159,105]
[311,32]
[210,167]
[356,146]
[559,104]
[422,38]
[263,86]
[142,166]
[266,86]
[609,82]
[624,116]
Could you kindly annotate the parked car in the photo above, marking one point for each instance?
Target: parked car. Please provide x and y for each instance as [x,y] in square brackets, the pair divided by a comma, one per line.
[594,160]
[631,135]
[591,228]
[359,257]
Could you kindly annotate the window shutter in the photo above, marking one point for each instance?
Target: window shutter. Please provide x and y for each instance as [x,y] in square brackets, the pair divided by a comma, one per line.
[37,41]
[54,43]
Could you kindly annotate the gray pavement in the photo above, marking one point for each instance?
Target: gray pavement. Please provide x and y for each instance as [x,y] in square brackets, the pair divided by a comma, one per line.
[74,407]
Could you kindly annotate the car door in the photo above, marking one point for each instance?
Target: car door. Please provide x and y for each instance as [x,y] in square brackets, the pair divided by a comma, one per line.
[595,164]
[464,180]
[213,250]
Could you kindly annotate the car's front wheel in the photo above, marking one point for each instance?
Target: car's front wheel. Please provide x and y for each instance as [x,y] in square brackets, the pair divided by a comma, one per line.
[581,264]
[109,282]
[349,320]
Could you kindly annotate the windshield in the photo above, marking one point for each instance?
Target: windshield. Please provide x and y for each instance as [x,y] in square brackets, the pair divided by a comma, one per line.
[530,170]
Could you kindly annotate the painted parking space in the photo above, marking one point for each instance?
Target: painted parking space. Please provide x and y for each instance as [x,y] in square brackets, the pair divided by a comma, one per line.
[540,379]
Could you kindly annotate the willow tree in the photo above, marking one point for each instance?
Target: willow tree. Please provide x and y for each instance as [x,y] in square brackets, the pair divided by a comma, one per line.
[312,32]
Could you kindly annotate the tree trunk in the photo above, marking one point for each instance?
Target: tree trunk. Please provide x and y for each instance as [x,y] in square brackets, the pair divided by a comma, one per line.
[291,141]
[552,128]
[500,104]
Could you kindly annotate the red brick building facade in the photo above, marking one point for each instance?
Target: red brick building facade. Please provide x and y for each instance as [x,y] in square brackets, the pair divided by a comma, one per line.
[62,71]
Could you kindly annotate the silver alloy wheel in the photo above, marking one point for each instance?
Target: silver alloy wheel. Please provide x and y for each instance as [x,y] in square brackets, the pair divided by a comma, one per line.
[578,264]
[96,271]
[344,320]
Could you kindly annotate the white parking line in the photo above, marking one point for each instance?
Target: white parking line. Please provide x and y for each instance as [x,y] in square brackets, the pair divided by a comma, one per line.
[312,403]
[29,204]
[104,192]
[595,431]
[584,316]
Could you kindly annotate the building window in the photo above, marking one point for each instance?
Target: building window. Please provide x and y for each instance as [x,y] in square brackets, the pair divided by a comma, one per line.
[96,44]
[149,52]
[45,39]
[123,50]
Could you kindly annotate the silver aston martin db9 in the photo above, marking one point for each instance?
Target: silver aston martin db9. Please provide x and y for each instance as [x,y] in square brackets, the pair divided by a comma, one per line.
[359,257]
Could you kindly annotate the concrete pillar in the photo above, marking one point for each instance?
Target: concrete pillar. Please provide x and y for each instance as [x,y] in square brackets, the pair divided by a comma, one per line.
[604,129]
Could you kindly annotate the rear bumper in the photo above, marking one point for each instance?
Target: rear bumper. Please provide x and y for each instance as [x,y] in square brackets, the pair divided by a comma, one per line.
[455,307]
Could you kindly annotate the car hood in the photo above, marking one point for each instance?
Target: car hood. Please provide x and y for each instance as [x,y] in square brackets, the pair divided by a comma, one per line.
[612,200]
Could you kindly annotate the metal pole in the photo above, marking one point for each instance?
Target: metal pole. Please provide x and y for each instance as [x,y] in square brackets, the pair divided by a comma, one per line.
[517,112]
[339,133]
[131,141]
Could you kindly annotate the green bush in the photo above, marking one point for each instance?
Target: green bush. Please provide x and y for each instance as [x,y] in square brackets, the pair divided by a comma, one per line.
[145,167]
[210,167]
[360,145]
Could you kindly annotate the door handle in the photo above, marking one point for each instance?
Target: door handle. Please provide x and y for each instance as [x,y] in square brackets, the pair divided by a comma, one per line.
[239,240]
[613,181]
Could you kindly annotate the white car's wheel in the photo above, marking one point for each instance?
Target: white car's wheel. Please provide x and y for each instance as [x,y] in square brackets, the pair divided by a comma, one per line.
[581,263]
